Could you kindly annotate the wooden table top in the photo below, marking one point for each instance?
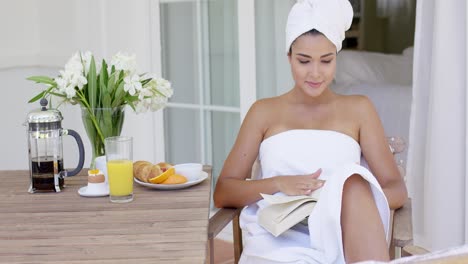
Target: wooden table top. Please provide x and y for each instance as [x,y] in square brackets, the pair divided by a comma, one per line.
[158,226]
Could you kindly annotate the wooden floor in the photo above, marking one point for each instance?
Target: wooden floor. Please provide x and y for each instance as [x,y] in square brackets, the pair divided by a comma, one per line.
[223,252]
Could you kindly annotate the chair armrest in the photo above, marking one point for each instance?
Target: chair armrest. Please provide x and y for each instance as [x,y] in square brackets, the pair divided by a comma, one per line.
[454,255]
[221,219]
[403,226]
[412,250]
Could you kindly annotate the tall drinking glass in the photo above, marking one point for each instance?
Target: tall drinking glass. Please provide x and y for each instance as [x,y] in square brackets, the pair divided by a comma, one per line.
[119,156]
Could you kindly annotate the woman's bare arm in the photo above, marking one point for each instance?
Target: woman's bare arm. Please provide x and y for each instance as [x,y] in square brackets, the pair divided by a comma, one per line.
[375,149]
[232,190]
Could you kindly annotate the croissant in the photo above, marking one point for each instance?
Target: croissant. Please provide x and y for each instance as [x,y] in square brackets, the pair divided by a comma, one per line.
[164,165]
[145,170]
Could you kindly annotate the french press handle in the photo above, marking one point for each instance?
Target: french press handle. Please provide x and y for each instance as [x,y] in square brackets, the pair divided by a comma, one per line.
[80,149]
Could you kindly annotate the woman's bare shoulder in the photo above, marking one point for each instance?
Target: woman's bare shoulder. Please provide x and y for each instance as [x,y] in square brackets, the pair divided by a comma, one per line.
[269,102]
[356,111]
[359,104]
[259,116]
[266,106]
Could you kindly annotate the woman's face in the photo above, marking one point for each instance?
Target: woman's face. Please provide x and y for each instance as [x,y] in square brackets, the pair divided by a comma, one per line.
[313,63]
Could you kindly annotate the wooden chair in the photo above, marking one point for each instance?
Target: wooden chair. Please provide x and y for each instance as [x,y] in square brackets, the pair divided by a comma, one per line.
[401,229]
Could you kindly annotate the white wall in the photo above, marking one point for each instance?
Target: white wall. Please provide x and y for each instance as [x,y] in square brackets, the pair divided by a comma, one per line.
[38,37]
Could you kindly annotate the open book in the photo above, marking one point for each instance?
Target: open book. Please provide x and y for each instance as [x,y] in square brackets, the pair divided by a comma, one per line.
[283,212]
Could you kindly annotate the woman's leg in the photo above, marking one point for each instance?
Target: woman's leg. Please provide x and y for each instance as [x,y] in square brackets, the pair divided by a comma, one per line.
[361,225]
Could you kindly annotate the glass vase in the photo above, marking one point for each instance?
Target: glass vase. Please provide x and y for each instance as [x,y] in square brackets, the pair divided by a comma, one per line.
[99,124]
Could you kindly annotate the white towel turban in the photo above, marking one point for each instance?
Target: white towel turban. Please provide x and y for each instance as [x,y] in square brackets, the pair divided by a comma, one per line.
[331,17]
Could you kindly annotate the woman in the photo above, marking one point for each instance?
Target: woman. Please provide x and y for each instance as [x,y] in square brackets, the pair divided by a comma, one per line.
[308,139]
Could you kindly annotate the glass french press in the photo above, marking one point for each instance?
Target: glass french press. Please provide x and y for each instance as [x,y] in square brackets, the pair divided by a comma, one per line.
[46,152]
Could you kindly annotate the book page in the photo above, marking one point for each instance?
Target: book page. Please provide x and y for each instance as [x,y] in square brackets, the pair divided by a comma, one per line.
[278,199]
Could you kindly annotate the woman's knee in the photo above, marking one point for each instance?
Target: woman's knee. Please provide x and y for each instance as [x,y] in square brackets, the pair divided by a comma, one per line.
[356,184]
[355,179]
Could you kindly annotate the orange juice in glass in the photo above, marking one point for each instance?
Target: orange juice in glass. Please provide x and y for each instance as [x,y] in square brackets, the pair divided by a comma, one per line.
[121,181]
[119,154]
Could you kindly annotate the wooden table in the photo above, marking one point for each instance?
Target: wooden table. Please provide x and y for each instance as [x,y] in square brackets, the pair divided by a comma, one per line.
[156,227]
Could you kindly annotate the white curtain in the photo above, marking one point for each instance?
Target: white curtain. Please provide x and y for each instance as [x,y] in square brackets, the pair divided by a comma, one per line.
[437,155]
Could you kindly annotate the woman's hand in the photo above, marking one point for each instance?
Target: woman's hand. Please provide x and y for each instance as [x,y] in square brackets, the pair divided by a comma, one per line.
[299,184]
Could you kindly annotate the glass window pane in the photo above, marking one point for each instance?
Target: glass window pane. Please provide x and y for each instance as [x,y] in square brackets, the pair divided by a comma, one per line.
[224,53]
[179,50]
[273,71]
[200,57]
[182,135]
[224,129]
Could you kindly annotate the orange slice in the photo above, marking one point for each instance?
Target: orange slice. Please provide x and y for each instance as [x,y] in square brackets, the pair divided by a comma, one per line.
[163,176]
[175,179]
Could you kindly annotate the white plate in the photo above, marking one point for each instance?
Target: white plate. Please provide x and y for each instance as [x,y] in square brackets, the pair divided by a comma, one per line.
[82,192]
[203,177]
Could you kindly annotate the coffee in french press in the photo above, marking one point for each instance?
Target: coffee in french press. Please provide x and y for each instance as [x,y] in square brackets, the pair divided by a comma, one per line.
[46,152]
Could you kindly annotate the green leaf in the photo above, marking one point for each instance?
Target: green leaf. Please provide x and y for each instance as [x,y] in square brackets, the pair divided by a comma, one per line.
[121,75]
[58,94]
[117,121]
[104,75]
[42,79]
[131,98]
[89,126]
[104,93]
[42,94]
[111,84]
[103,79]
[107,122]
[132,106]
[119,95]
[92,83]
[106,101]
[98,93]
[37,97]
[144,82]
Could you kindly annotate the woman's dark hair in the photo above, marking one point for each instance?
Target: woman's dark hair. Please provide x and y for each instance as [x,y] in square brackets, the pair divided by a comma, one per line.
[312,32]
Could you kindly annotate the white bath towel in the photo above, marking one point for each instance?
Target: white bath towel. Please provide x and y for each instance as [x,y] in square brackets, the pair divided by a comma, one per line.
[331,17]
[303,152]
